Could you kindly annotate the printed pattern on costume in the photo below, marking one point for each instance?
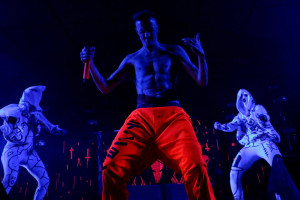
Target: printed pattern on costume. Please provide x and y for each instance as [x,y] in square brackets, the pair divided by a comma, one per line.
[254,127]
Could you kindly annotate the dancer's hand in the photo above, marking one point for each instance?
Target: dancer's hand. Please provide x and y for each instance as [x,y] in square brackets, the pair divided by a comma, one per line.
[59,131]
[87,53]
[64,132]
[217,125]
[194,44]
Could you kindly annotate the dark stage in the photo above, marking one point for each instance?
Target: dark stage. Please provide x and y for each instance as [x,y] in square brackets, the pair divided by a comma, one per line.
[251,44]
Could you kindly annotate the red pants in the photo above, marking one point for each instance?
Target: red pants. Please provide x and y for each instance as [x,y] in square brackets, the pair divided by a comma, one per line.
[164,133]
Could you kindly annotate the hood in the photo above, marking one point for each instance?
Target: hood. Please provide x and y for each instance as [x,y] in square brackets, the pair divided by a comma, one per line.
[244,102]
[33,96]
[9,110]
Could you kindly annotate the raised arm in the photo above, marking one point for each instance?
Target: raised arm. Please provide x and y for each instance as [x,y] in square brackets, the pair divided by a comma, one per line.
[106,85]
[228,127]
[200,73]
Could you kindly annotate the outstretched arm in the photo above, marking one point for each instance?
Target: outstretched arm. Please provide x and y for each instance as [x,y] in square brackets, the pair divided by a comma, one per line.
[105,85]
[200,73]
[42,122]
[228,127]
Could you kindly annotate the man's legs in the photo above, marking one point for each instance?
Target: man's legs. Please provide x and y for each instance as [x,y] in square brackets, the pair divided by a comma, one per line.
[10,164]
[179,148]
[130,153]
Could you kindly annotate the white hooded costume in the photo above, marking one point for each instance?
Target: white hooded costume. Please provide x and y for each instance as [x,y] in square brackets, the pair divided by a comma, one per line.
[21,123]
[255,133]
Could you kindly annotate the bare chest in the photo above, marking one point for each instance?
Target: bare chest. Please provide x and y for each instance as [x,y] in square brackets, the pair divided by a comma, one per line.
[153,65]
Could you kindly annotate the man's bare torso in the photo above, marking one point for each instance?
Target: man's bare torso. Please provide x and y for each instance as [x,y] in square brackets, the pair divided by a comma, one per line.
[156,71]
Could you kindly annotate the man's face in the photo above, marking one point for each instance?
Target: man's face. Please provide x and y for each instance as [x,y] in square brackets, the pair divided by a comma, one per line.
[147,31]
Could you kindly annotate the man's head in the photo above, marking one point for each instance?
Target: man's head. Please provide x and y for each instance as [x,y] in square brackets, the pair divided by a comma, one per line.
[146,27]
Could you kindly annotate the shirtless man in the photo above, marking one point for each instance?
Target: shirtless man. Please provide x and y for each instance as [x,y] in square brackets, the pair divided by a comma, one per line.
[159,128]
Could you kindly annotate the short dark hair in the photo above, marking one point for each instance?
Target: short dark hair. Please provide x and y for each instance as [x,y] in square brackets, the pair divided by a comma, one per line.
[143,15]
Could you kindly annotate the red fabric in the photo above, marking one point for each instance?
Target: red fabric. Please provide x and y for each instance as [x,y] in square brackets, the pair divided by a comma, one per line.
[148,134]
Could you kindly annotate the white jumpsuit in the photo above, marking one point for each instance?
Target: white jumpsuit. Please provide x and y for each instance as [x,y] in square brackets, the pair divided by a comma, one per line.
[19,128]
[255,133]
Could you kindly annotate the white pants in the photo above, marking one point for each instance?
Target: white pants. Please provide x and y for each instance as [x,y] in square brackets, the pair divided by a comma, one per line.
[245,159]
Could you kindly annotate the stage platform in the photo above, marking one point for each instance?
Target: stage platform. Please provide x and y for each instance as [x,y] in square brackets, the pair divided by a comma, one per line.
[157,192]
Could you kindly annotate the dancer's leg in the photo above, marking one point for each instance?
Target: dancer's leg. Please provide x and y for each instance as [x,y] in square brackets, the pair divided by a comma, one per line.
[36,168]
[10,164]
[242,162]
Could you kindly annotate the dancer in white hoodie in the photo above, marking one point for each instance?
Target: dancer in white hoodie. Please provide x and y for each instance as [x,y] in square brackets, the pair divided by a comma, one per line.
[255,133]
[22,122]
